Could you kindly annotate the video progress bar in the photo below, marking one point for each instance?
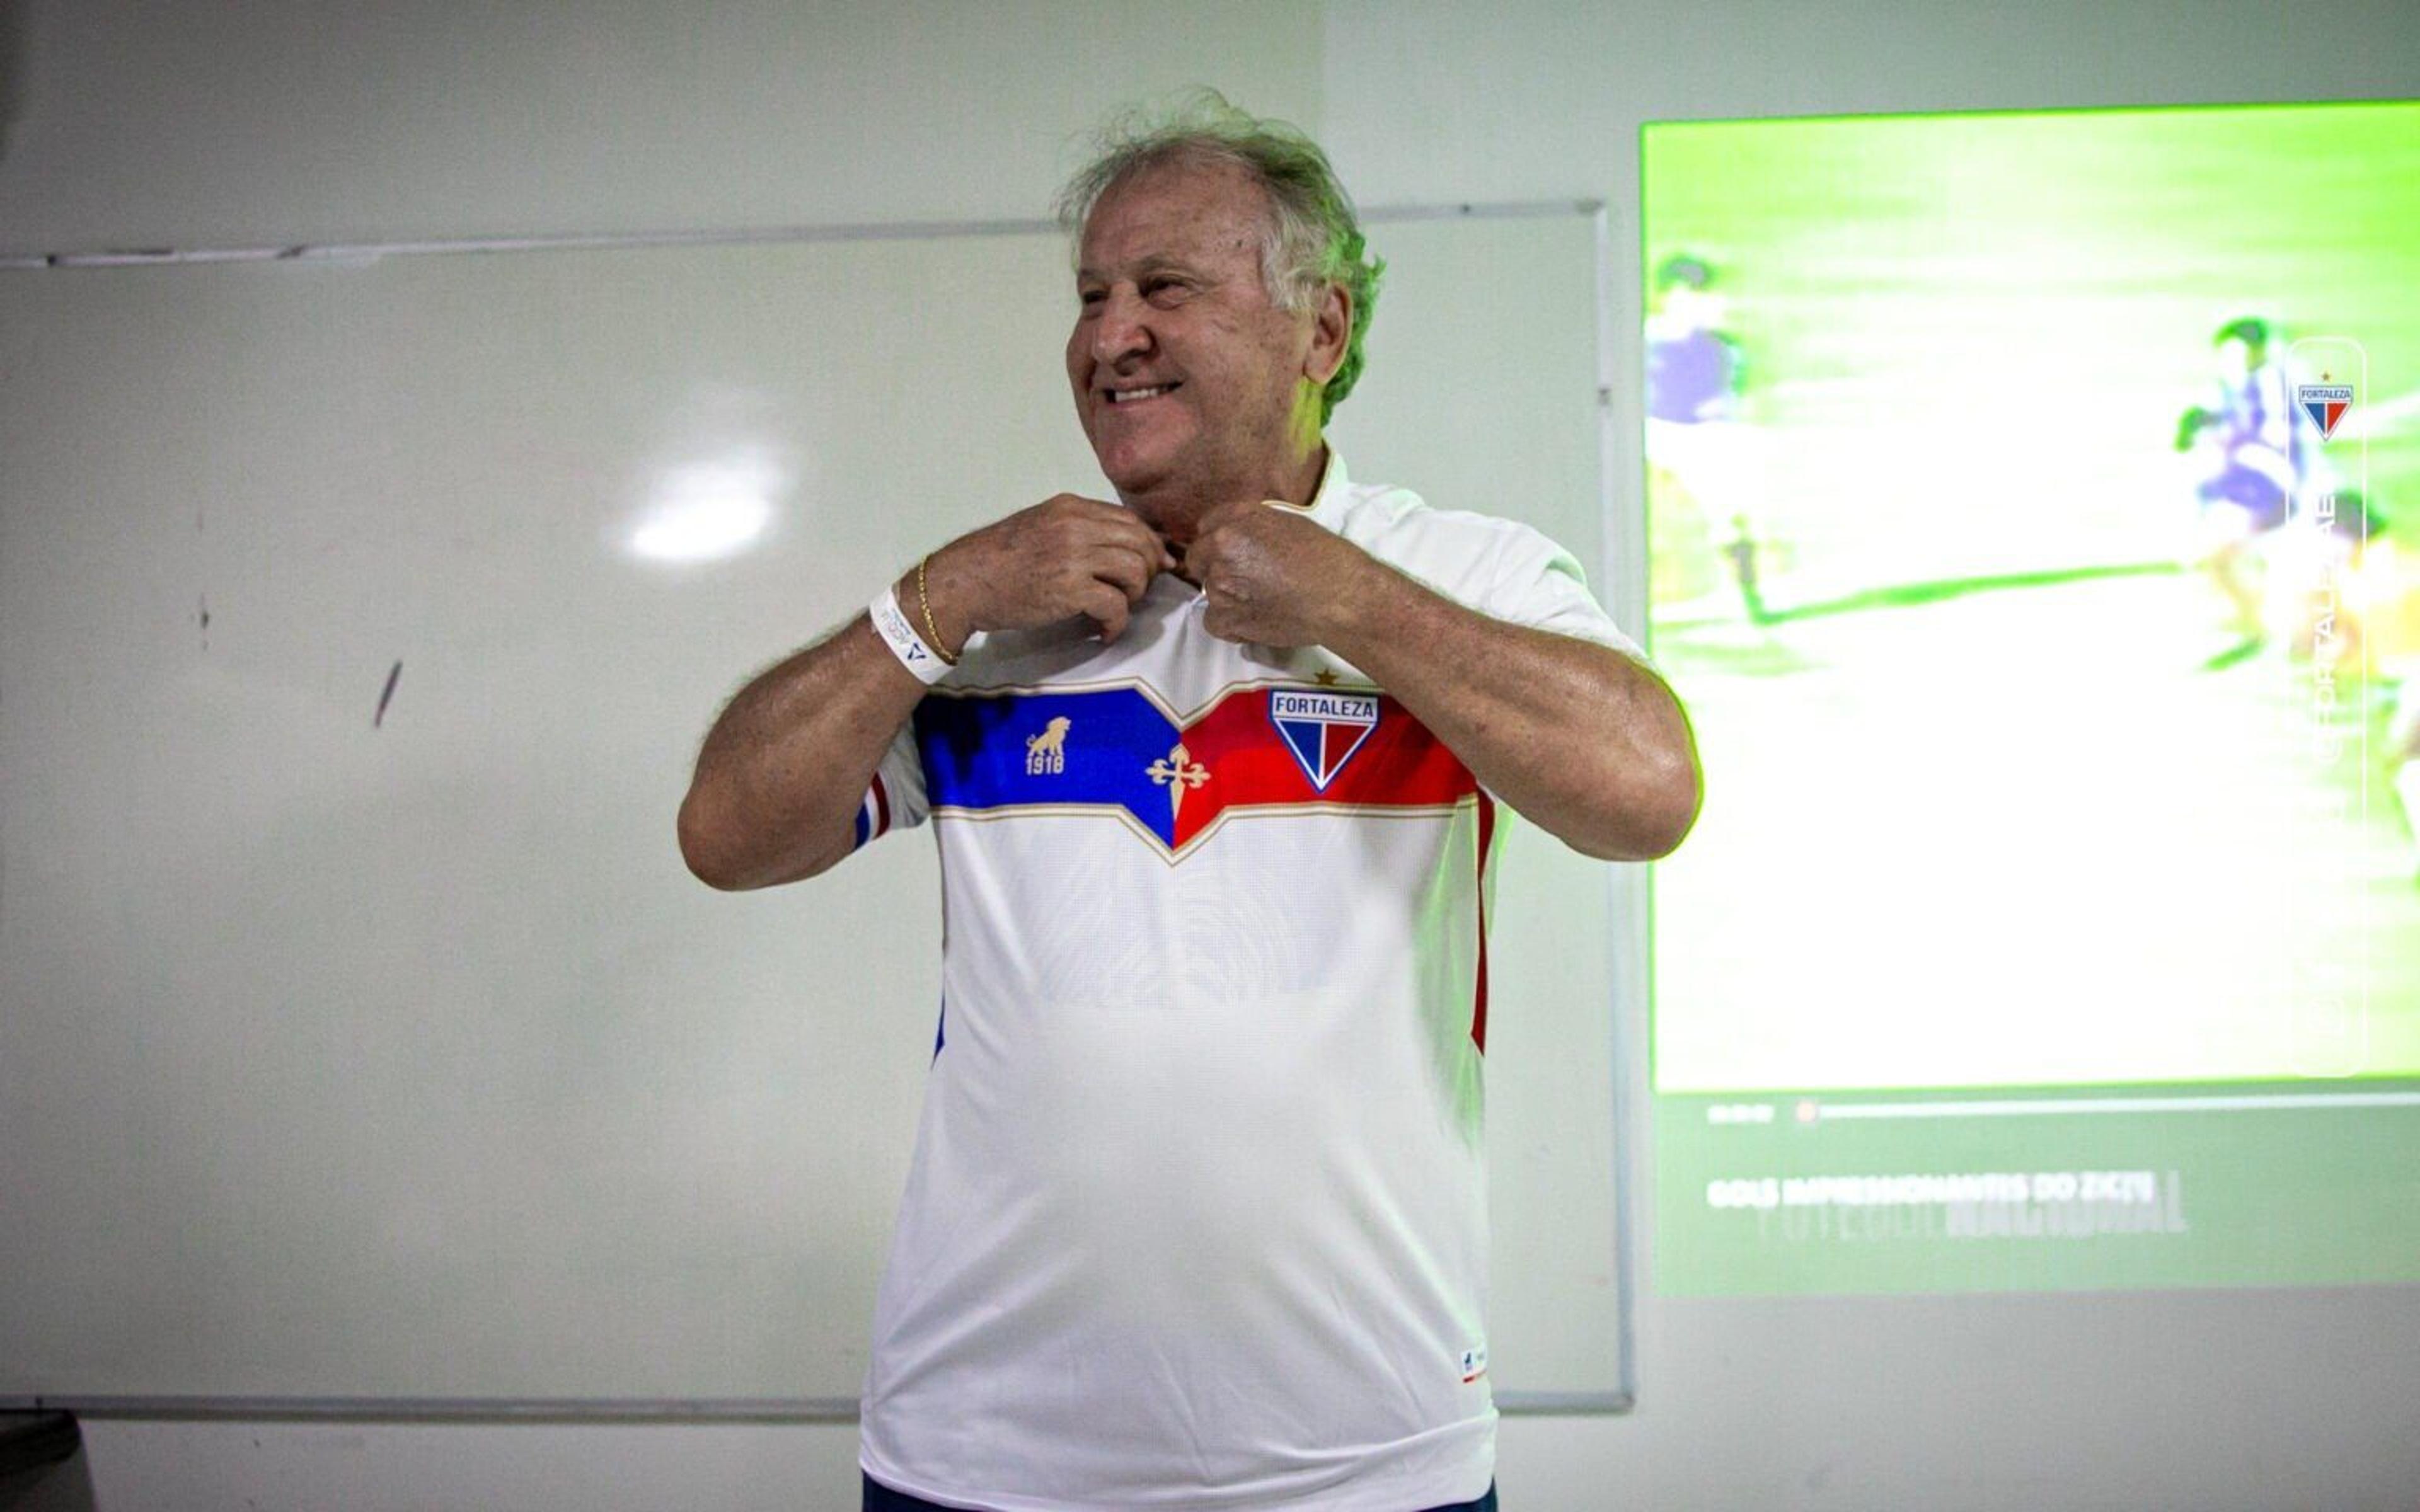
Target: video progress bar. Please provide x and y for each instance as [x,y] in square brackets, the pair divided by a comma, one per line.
[2043,1107]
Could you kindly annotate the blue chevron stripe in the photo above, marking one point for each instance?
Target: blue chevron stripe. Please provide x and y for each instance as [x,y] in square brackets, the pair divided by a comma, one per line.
[976,754]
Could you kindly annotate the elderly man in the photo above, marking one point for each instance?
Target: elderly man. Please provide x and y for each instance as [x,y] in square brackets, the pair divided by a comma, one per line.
[1196,1216]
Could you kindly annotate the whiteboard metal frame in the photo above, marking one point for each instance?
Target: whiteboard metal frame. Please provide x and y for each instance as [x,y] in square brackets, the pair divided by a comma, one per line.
[354,252]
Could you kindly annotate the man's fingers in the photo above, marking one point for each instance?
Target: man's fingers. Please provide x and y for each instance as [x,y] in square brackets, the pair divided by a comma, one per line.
[1145,541]
[1075,503]
[1122,524]
[1126,568]
[1225,620]
[1068,554]
[1105,607]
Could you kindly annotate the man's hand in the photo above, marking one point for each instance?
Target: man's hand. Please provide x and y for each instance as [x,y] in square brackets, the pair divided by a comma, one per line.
[1274,576]
[1581,739]
[1063,556]
[782,773]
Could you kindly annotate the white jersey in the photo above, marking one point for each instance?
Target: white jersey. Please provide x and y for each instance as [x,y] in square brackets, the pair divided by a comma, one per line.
[1198,1210]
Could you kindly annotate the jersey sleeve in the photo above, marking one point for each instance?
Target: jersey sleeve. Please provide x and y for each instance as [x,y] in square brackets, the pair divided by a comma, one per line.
[895,798]
[1538,583]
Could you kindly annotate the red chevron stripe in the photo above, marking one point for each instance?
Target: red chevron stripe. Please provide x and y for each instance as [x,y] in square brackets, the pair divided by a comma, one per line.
[1400,766]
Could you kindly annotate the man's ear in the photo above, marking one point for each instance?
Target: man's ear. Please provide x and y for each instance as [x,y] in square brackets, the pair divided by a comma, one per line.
[1331,333]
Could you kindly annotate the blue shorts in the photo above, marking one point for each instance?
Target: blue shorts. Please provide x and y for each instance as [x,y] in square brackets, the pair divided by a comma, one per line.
[881,1497]
[2264,505]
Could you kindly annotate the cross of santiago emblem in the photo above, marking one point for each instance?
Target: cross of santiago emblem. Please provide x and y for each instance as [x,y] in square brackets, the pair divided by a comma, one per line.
[1177,772]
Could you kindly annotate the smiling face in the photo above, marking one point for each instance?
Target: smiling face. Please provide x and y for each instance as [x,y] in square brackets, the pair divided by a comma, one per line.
[1192,387]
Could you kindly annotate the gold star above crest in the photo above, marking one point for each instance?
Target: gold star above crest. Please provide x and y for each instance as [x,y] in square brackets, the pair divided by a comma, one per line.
[1325,677]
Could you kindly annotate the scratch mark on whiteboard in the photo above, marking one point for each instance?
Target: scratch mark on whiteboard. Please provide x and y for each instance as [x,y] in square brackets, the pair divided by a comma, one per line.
[206,621]
[387,697]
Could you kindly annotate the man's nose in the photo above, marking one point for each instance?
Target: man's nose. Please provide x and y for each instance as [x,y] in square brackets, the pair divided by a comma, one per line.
[1121,326]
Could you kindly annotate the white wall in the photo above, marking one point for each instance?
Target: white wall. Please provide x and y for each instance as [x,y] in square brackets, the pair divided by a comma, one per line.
[153,125]
[284,120]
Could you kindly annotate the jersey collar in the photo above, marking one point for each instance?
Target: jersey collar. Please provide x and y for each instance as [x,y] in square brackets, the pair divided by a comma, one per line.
[1327,503]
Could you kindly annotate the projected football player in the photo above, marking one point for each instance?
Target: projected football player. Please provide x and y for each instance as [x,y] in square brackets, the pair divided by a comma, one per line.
[1695,445]
[2253,454]
[1197,1213]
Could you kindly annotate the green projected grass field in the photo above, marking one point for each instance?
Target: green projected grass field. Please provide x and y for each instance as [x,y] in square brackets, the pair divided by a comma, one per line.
[1996,795]
[2053,918]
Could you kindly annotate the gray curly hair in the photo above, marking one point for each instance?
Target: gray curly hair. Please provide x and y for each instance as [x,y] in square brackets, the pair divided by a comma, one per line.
[1312,236]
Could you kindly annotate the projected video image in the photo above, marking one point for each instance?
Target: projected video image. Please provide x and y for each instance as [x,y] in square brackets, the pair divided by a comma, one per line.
[2034,512]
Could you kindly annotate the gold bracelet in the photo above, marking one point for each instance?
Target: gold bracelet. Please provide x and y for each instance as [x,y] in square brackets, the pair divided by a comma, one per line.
[926,605]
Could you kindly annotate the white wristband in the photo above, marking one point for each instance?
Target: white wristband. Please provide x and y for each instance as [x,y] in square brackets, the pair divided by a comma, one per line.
[891,623]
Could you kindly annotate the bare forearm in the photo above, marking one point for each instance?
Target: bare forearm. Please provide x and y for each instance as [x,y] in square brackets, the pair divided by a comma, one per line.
[1583,741]
[784,769]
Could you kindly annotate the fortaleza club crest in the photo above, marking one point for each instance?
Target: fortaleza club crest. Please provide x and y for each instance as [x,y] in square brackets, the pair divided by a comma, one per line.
[2325,403]
[1323,729]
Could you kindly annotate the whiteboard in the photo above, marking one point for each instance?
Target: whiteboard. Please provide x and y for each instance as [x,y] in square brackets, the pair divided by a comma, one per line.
[362,1038]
